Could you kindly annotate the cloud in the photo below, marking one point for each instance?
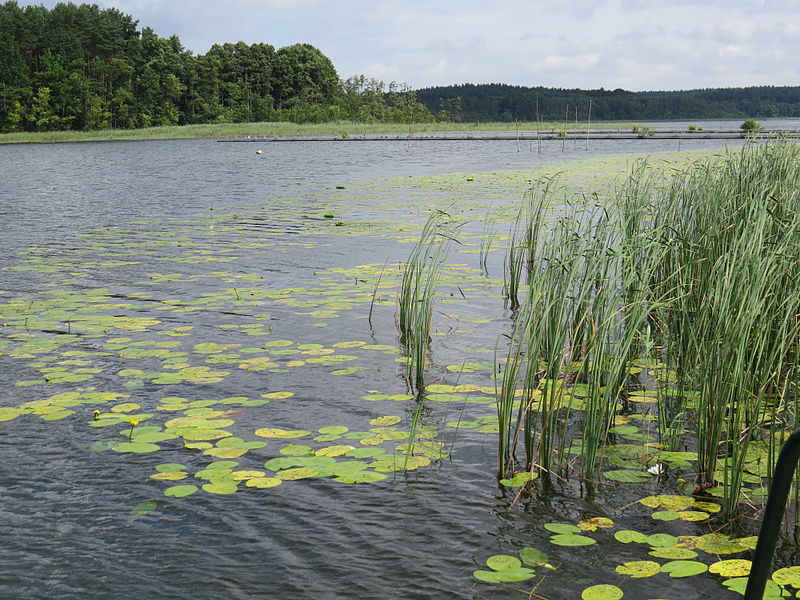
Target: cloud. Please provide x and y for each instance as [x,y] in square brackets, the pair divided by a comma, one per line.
[553,62]
[635,44]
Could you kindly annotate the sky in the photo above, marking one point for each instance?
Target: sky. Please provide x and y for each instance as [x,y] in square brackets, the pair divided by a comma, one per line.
[630,44]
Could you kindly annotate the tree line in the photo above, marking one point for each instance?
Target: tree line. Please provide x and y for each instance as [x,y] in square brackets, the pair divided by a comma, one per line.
[81,67]
[507,103]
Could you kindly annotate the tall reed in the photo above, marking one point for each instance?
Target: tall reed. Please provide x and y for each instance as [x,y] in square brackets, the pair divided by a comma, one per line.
[422,274]
[701,273]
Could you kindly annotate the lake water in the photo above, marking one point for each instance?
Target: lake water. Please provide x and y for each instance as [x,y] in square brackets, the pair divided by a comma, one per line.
[189,279]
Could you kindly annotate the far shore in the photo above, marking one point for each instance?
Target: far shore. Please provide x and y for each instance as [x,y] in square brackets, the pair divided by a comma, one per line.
[340,129]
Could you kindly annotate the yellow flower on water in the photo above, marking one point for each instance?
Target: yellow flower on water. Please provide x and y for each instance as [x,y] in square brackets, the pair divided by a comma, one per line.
[96,414]
[133,422]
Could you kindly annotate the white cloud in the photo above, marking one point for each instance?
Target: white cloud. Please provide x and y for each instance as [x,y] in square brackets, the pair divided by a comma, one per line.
[553,62]
[635,44]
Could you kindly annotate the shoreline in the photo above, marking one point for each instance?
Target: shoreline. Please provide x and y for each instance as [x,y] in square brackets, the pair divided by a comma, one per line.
[348,130]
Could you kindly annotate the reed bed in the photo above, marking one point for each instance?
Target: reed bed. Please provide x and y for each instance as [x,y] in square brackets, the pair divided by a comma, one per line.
[695,273]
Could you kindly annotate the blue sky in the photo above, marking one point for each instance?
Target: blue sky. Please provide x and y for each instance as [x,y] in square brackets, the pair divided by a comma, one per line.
[630,44]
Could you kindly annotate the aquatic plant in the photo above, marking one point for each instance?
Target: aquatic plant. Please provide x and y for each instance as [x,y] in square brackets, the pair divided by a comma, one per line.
[700,275]
[421,275]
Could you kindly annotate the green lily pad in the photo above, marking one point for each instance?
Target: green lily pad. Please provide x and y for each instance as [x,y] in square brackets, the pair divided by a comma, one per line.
[562,528]
[499,562]
[296,450]
[221,487]
[627,536]
[509,575]
[684,568]
[662,540]
[333,430]
[519,479]
[666,515]
[533,556]
[179,491]
[602,592]
[571,539]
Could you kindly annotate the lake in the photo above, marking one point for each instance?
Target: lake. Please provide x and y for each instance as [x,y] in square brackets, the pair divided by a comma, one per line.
[189,314]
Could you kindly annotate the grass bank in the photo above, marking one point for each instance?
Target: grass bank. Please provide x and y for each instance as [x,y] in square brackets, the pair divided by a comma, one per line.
[216,130]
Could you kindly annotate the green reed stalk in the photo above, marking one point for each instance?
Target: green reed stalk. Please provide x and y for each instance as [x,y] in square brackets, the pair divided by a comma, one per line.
[421,276]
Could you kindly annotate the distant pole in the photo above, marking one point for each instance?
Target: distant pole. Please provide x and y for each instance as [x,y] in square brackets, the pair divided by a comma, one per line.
[575,139]
[589,123]
[538,127]
[566,119]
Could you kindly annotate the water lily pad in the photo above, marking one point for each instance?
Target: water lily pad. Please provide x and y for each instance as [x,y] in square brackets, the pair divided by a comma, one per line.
[627,536]
[273,432]
[333,430]
[510,575]
[221,487]
[278,395]
[602,592]
[387,420]
[684,568]
[787,576]
[662,540]
[296,450]
[772,591]
[693,515]
[669,502]
[562,528]
[296,473]
[571,539]
[533,556]
[334,450]
[263,482]
[717,543]
[223,452]
[179,491]
[595,523]
[365,452]
[665,515]
[519,479]
[503,561]
[732,568]
[359,477]
[639,568]
[170,476]
[673,553]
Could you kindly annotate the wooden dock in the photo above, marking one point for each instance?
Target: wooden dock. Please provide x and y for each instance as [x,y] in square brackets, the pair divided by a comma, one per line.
[525,136]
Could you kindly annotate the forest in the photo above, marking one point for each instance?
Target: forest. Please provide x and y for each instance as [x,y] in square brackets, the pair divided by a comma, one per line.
[80,67]
[507,103]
